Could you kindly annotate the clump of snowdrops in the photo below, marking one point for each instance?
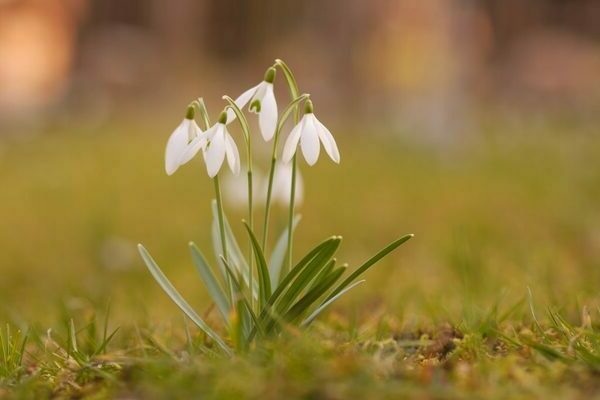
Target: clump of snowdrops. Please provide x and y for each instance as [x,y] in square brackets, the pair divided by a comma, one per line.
[261,292]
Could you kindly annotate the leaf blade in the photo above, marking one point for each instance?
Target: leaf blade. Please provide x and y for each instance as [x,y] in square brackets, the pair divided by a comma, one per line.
[170,290]
[210,281]
[370,262]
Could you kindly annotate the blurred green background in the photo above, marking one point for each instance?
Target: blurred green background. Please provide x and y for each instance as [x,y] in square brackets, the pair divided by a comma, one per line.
[473,125]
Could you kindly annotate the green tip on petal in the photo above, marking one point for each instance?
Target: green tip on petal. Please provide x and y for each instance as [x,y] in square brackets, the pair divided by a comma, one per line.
[255,106]
[270,75]
[223,118]
[189,114]
[308,107]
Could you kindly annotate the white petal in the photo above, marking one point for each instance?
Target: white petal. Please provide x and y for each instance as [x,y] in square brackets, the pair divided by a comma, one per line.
[176,146]
[309,140]
[241,101]
[328,141]
[215,152]
[192,148]
[267,119]
[289,149]
[233,156]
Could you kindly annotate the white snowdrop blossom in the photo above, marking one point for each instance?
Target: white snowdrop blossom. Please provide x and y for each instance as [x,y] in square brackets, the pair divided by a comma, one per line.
[261,101]
[282,185]
[309,132]
[185,133]
[217,144]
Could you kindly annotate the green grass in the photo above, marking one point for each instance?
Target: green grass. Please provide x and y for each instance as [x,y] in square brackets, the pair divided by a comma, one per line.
[497,296]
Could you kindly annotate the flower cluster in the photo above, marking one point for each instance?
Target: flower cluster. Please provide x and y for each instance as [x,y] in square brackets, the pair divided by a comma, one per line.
[217,143]
[259,291]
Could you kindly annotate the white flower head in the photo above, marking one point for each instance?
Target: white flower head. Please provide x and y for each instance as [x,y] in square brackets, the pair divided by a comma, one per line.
[186,133]
[260,100]
[218,145]
[310,132]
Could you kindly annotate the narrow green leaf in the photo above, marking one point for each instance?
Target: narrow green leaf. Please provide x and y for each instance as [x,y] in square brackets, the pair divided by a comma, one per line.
[324,272]
[210,281]
[267,312]
[166,285]
[264,284]
[278,254]
[72,336]
[244,298]
[313,295]
[369,263]
[323,246]
[323,306]
[235,254]
[307,275]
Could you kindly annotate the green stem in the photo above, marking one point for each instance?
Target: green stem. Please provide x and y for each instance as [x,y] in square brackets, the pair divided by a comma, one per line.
[293,86]
[282,118]
[291,218]
[248,139]
[221,218]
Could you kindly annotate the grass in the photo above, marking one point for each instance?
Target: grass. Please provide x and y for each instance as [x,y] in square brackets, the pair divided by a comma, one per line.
[496,297]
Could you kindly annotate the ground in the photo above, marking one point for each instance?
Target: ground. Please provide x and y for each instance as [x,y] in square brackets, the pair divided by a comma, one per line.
[495,297]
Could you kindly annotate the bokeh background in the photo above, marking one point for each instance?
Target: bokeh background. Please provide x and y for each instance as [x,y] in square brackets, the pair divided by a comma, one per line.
[473,124]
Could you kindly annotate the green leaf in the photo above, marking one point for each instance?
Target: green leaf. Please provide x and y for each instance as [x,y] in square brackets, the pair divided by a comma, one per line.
[210,281]
[323,306]
[313,295]
[319,262]
[278,254]
[324,272]
[244,298]
[235,255]
[264,281]
[369,263]
[267,312]
[164,283]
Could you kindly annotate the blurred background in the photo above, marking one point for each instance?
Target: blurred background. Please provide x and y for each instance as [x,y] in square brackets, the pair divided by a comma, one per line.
[473,124]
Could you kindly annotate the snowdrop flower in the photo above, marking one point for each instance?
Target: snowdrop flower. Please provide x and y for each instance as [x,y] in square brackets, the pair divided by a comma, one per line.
[186,132]
[216,144]
[282,185]
[261,100]
[308,133]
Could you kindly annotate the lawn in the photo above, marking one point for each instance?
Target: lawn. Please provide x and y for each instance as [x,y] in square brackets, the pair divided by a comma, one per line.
[497,296]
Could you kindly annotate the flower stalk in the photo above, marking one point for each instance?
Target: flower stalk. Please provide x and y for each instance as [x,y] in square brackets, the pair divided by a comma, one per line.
[294,91]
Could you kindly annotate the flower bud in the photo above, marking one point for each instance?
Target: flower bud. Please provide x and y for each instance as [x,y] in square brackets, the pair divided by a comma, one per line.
[270,75]
[223,117]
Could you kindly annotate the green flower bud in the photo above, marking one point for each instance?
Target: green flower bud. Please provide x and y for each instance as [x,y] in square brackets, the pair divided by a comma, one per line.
[223,117]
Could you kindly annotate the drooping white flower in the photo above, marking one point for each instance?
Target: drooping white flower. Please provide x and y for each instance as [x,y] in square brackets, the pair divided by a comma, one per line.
[261,101]
[185,133]
[309,132]
[282,185]
[217,144]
